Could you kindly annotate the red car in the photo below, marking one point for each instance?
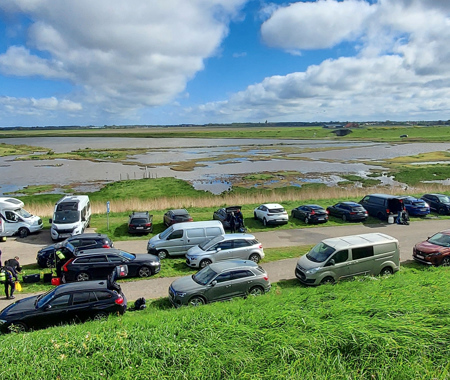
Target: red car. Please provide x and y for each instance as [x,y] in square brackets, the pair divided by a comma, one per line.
[435,250]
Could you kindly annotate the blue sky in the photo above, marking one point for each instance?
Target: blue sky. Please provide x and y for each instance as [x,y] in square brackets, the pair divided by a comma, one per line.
[78,62]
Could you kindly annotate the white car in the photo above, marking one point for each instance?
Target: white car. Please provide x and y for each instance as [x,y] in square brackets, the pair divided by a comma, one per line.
[271,213]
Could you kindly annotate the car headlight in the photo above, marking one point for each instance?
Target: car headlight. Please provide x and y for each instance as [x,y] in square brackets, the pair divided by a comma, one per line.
[180,294]
[155,263]
[193,258]
[435,254]
[312,271]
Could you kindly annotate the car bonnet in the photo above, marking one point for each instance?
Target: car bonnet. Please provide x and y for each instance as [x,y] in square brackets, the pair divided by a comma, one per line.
[20,306]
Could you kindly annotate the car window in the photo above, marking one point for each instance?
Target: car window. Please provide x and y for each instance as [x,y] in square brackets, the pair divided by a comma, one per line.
[341,256]
[223,277]
[204,276]
[60,302]
[213,231]
[225,245]
[276,210]
[83,297]
[82,260]
[115,259]
[362,252]
[176,235]
[166,233]
[103,295]
[98,259]
[195,233]
[239,243]
[242,273]
[320,253]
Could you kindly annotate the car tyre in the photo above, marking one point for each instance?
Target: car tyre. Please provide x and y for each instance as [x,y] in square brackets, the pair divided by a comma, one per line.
[255,258]
[327,280]
[205,263]
[256,291]
[306,220]
[17,327]
[386,271]
[23,232]
[49,263]
[196,301]
[344,218]
[162,254]
[254,215]
[145,271]
[442,211]
[445,262]
[100,316]
[264,222]
[83,276]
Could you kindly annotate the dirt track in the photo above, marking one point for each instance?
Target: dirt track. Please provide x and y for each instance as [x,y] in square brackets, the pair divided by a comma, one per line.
[27,248]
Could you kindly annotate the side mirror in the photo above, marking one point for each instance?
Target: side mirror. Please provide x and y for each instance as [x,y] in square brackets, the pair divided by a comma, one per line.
[213,283]
[50,221]
[330,263]
[47,307]
[218,249]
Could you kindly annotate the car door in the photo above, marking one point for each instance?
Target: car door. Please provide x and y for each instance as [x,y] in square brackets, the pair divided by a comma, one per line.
[194,236]
[338,210]
[80,309]
[116,260]
[54,312]
[222,251]
[220,288]
[175,243]
[339,264]
[261,211]
[11,223]
[100,267]
[241,249]
[242,281]
[362,261]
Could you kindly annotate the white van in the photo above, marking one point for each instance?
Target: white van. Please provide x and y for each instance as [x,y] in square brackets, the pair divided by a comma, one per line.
[178,238]
[15,220]
[337,258]
[72,215]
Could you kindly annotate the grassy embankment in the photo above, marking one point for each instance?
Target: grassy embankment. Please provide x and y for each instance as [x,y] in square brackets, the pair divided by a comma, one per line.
[395,327]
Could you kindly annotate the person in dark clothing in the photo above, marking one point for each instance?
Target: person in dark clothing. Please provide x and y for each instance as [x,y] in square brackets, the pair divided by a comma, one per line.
[239,220]
[14,263]
[0,257]
[232,222]
[11,278]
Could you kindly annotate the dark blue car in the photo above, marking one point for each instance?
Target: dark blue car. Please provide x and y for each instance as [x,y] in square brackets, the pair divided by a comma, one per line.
[348,211]
[415,206]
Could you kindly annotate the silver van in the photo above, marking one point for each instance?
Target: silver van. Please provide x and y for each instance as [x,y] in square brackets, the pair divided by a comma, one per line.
[178,238]
[347,256]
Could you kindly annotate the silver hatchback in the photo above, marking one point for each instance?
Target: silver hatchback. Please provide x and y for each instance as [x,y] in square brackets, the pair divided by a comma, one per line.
[225,247]
[220,281]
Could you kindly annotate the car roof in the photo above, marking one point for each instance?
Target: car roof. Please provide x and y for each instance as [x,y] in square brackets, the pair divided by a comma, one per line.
[232,264]
[139,214]
[312,206]
[89,235]
[237,236]
[82,285]
[180,211]
[272,205]
[97,251]
[353,241]
[350,203]
[385,196]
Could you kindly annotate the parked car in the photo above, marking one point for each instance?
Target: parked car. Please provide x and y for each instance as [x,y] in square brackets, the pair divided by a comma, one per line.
[96,264]
[348,211]
[46,256]
[225,247]
[177,216]
[271,213]
[438,202]
[220,281]
[435,250]
[310,214]
[415,206]
[63,304]
[140,223]
[223,214]
[381,206]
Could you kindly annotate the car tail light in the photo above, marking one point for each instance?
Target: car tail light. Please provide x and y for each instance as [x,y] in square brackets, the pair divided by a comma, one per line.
[388,211]
[65,265]
[148,224]
[119,300]
[132,225]
[260,246]
[352,213]
[266,277]
[313,213]
[327,211]
[105,246]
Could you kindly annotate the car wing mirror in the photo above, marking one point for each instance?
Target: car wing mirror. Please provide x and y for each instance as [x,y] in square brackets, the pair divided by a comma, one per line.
[213,283]
[218,249]
[47,307]
[50,221]
[330,263]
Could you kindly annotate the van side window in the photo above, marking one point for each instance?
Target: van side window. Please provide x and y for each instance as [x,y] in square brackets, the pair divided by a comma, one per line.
[385,248]
[175,235]
[195,233]
[341,256]
[10,216]
[213,231]
[362,252]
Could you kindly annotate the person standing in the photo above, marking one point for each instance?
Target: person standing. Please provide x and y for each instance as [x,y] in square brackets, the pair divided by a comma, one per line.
[232,222]
[10,282]
[14,263]
[0,257]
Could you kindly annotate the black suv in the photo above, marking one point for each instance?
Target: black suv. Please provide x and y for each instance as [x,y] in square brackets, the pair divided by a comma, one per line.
[66,303]
[46,256]
[140,223]
[438,202]
[96,264]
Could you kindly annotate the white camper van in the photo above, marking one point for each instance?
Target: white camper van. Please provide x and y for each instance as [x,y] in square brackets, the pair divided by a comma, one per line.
[72,215]
[14,220]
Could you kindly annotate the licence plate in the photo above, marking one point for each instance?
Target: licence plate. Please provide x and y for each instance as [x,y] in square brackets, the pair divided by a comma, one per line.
[63,236]
[423,209]
[419,257]
[320,218]
[139,228]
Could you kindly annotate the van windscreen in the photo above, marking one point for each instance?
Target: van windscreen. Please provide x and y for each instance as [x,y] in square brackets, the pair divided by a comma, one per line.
[66,217]
[320,253]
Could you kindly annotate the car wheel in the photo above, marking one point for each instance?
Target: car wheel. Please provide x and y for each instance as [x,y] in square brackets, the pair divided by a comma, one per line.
[17,327]
[83,276]
[204,263]
[445,262]
[23,232]
[49,263]
[264,222]
[100,316]
[162,254]
[442,211]
[256,291]
[254,215]
[344,218]
[145,271]
[196,301]
[255,258]
[306,220]
[386,271]
[327,280]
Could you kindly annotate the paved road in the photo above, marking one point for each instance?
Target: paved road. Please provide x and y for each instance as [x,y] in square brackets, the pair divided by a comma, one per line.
[27,248]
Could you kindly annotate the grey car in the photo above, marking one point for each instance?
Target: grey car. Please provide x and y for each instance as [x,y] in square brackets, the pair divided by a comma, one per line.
[225,247]
[220,281]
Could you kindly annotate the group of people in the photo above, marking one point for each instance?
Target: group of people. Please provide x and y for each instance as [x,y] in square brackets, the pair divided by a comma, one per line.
[9,271]
[236,221]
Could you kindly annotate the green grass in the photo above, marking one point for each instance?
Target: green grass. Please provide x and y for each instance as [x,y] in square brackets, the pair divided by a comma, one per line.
[395,327]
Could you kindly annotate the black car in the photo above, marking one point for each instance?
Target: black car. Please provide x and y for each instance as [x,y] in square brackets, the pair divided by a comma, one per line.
[177,216]
[46,256]
[64,304]
[96,264]
[140,222]
[223,214]
[310,214]
[438,202]
[348,211]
